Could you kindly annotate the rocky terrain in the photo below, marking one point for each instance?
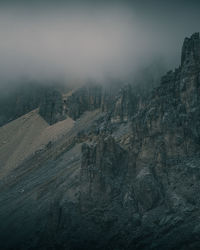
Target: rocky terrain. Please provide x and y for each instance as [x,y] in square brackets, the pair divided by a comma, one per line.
[122,173]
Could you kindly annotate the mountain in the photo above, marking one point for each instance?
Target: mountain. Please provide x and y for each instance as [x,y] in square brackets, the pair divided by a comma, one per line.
[96,168]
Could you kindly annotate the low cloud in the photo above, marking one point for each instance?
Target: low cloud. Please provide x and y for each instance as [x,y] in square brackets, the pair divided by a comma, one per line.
[76,42]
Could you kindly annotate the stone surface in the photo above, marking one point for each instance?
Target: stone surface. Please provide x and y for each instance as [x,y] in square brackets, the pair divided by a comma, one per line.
[19,101]
[51,107]
[125,176]
[87,98]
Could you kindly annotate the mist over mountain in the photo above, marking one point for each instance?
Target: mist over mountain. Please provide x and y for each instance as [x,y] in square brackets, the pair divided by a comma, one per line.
[80,40]
[99,125]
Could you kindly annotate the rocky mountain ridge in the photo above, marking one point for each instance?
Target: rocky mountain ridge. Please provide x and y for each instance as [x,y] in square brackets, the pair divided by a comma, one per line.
[125,176]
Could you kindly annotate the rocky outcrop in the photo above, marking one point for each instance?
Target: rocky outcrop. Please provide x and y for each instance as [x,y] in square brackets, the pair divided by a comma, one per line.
[20,100]
[161,174]
[103,168]
[191,51]
[51,107]
[29,96]
[87,98]
[171,117]
[120,106]
[125,105]
[126,177]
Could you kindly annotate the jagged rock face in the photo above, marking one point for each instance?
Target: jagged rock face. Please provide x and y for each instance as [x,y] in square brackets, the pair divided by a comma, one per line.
[162,172]
[191,50]
[84,99]
[88,98]
[20,101]
[107,101]
[124,178]
[103,168]
[125,105]
[51,107]
[146,189]
[29,96]
[170,121]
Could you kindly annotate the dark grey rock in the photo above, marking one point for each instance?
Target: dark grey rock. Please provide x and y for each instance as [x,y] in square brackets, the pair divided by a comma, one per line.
[52,107]
[126,178]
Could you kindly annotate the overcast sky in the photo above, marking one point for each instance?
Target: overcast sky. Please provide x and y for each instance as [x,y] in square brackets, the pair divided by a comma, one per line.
[91,39]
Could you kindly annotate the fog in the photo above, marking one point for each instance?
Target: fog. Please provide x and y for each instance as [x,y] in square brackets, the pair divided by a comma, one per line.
[80,41]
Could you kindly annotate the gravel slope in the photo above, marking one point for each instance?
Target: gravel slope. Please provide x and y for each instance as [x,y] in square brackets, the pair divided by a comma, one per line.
[24,136]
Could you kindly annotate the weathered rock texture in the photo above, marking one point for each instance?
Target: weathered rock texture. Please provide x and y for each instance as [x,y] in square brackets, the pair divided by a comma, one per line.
[51,107]
[20,101]
[103,170]
[126,176]
[87,98]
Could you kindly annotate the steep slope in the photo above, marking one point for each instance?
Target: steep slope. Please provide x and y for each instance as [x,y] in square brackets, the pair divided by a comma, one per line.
[19,100]
[26,135]
[27,96]
[125,176]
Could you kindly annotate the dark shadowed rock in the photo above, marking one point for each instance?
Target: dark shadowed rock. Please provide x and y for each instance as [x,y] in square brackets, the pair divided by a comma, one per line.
[191,50]
[51,107]
[126,176]
[103,168]
[20,100]
[87,98]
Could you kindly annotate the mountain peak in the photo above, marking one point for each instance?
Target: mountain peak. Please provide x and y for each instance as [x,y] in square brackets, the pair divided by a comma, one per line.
[191,50]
